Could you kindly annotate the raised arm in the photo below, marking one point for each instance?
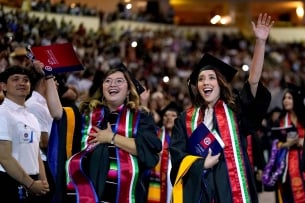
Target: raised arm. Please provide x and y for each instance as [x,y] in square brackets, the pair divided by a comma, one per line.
[53,101]
[261,30]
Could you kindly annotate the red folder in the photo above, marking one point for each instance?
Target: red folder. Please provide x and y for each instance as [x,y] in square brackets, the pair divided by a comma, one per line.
[58,58]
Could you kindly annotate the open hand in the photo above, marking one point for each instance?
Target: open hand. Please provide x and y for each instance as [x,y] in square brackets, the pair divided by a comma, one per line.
[262,27]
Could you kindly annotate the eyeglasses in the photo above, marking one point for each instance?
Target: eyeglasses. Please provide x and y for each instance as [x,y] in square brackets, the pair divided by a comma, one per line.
[116,82]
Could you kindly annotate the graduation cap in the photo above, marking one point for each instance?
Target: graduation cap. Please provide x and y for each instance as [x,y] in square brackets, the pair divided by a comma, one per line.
[209,62]
[136,83]
[14,70]
[173,106]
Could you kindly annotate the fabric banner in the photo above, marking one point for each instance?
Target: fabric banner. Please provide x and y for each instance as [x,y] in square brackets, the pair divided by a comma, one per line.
[57,58]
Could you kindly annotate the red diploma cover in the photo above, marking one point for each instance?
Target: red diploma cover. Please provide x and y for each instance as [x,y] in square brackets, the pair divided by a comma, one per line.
[57,58]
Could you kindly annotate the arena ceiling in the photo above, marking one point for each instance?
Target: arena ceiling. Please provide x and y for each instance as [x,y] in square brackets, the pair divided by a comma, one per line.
[200,11]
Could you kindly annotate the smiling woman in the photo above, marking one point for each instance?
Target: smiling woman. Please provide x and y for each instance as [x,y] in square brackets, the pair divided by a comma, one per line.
[227,117]
[120,142]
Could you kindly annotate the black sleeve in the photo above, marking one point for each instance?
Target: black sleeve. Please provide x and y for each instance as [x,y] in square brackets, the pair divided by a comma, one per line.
[258,153]
[254,109]
[147,142]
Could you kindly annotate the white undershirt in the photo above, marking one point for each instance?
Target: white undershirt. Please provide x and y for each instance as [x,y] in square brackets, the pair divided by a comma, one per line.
[208,118]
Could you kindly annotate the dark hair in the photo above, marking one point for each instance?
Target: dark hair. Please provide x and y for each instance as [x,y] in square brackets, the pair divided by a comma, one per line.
[14,70]
[298,104]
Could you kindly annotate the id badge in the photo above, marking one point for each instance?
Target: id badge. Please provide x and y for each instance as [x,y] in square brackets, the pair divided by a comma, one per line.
[26,135]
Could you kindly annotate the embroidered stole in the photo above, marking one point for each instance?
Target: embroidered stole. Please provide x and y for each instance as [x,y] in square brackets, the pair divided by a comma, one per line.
[127,164]
[296,176]
[158,187]
[77,179]
[233,152]
[125,170]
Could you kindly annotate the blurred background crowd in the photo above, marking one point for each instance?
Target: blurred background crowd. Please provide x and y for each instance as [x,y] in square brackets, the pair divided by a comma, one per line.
[161,59]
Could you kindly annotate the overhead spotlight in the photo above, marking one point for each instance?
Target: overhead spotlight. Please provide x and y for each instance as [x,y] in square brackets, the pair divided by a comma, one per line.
[300,11]
[128,6]
[215,19]
[225,20]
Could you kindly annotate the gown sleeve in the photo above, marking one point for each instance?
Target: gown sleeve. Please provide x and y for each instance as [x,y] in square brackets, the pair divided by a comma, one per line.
[147,142]
[253,108]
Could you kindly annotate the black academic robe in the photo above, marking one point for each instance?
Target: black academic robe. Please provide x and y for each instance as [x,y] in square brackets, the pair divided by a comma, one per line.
[96,164]
[58,153]
[148,148]
[216,181]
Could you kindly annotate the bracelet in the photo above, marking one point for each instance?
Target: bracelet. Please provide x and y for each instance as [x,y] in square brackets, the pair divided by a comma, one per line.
[112,140]
[29,188]
[47,77]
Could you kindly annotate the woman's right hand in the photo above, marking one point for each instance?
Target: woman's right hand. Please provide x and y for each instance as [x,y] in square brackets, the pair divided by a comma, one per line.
[211,160]
[290,141]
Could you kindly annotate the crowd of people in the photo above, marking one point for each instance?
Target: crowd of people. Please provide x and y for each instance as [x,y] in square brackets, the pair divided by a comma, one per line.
[124,132]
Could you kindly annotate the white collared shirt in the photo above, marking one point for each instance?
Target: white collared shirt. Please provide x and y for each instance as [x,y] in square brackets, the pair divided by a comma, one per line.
[38,106]
[21,127]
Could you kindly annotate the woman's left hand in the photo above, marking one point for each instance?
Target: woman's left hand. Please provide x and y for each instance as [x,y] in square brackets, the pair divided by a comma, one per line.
[262,28]
[101,136]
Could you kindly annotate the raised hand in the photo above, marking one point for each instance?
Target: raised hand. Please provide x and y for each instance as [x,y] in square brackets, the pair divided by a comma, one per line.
[263,26]
[39,66]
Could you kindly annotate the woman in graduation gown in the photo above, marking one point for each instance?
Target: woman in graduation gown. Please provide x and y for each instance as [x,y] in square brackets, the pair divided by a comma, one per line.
[223,175]
[290,185]
[119,143]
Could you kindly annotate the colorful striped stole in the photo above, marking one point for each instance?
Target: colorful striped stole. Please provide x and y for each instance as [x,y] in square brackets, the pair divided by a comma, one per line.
[125,170]
[158,187]
[85,192]
[127,165]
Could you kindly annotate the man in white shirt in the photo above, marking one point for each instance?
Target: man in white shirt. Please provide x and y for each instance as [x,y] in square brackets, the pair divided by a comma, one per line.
[22,172]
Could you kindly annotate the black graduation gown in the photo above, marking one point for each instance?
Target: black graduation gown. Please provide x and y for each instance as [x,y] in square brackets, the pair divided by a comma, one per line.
[217,184]
[57,151]
[148,147]
[96,164]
